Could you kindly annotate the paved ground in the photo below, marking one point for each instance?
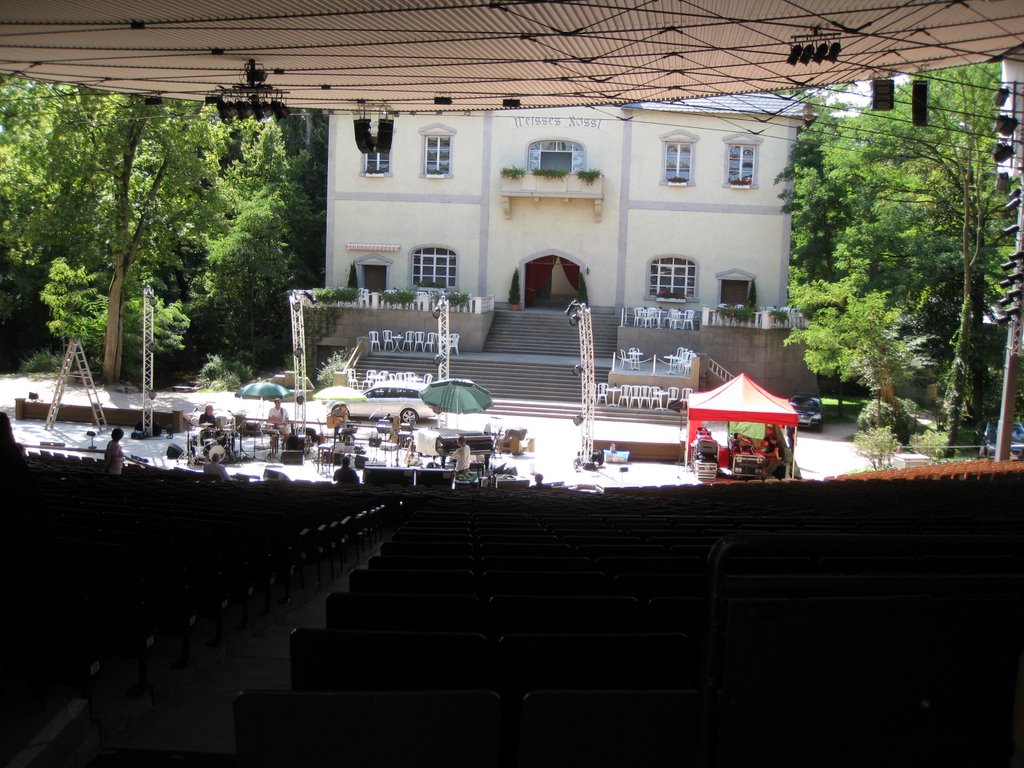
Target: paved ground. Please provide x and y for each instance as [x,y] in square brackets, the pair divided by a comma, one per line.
[819,455]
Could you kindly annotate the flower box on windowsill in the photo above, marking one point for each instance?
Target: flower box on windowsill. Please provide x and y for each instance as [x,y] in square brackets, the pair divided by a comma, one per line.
[677,182]
[436,175]
[670,300]
[740,184]
[375,173]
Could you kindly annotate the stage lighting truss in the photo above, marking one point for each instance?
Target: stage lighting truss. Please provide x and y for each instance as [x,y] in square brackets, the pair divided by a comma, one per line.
[251,98]
[579,317]
[817,46]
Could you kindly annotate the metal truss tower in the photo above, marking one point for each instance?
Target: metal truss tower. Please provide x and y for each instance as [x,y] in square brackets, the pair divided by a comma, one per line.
[297,301]
[579,315]
[442,311]
[148,347]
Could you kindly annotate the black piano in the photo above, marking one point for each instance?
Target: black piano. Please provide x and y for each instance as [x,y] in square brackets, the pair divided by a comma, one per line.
[480,444]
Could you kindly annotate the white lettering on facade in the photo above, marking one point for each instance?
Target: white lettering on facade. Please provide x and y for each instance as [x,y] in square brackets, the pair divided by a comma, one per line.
[571,122]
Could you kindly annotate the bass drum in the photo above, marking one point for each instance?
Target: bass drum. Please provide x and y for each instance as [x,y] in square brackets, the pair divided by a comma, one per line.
[217,450]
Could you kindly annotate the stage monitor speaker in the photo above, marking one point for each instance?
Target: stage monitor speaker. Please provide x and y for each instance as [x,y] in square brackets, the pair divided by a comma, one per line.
[291,457]
[435,477]
[295,442]
[360,462]
[175,451]
[273,474]
[388,476]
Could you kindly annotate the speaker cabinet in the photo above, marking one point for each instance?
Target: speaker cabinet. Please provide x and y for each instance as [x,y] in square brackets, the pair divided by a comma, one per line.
[388,476]
[385,130]
[364,139]
[919,103]
[175,451]
[883,94]
[291,457]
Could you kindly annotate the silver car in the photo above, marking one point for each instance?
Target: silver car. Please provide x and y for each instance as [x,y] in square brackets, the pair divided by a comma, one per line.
[388,399]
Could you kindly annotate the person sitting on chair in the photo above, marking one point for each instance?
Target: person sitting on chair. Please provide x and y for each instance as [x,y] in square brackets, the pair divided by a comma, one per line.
[215,468]
[345,475]
[207,418]
[278,418]
[337,418]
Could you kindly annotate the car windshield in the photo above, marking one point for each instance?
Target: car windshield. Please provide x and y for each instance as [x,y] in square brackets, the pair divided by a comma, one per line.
[809,403]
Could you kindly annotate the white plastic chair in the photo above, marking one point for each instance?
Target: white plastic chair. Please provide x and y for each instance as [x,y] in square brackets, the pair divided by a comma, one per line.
[427,378]
[689,319]
[675,317]
[421,341]
[638,316]
[636,392]
[431,342]
[389,341]
[602,393]
[454,343]
[374,338]
[409,343]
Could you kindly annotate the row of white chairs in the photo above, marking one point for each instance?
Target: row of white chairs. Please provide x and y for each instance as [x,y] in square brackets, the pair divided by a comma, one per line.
[655,317]
[641,396]
[374,377]
[409,341]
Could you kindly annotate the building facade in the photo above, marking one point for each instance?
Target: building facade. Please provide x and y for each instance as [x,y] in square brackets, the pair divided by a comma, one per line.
[671,204]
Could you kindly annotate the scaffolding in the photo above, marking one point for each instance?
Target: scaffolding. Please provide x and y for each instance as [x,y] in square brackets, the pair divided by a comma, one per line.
[579,315]
[148,347]
[297,301]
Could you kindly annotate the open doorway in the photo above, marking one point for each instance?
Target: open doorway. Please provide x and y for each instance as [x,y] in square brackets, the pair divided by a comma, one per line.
[551,281]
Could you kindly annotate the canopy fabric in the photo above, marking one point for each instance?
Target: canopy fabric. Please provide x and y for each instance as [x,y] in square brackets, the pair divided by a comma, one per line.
[465,55]
[740,399]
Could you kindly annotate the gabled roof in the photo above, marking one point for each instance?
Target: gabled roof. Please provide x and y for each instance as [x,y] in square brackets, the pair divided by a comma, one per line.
[741,399]
[403,54]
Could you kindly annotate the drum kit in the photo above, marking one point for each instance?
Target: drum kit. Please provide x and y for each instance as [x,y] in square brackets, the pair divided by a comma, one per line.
[221,440]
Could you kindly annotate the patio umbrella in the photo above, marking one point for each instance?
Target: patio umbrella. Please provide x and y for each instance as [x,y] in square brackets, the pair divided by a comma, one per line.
[339,393]
[456,396]
[263,390]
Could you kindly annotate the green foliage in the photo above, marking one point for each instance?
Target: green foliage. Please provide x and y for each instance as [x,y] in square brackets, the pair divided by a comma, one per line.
[41,361]
[878,445]
[581,292]
[550,173]
[512,172]
[399,297]
[588,176]
[513,291]
[744,314]
[458,299]
[219,373]
[896,417]
[752,295]
[336,362]
[344,295]
[353,277]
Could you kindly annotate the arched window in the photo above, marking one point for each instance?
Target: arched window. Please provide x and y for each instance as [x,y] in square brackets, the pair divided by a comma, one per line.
[672,277]
[556,155]
[434,267]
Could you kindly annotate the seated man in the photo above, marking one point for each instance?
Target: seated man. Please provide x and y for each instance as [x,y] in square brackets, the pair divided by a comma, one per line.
[345,475]
[215,468]
[278,418]
[207,418]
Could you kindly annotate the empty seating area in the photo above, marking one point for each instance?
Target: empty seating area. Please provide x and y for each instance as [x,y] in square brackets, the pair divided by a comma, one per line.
[869,622]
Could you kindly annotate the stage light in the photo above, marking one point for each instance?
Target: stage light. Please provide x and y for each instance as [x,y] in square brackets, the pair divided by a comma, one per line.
[438,359]
[511,103]
[577,419]
[1001,96]
[443,100]
[279,109]
[807,54]
[262,110]
[794,55]
[820,53]
[33,395]
[1013,229]
[385,132]
[1005,125]
[1001,153]
[833,52]
[153,101]
[577,369]
[1014,201]
[244,109]
[883,94]
[364,139]
[226,110]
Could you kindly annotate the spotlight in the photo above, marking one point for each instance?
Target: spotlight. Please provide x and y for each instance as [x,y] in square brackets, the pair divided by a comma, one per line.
[794,55]
[833,51]
[577,419]
[300,400]
[577,369]
[574,319]
[279,109]
[1001,96]
[1013,229]
[436,313]
[820,53]
[443,101]
[211,100]
[438,359]
[511,103]
[1002,181]
[244,109]
[807,54]
[385,132]
[262,110]
[153,101]
[1001,153]
[226,110]
[1006,125]
[1014,201]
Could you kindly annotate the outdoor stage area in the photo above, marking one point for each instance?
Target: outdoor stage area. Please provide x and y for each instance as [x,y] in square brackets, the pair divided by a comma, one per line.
[555,440]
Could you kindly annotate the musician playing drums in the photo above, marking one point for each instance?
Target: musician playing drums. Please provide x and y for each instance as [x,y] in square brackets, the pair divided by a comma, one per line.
[278,418]
[207,418]
[337,418]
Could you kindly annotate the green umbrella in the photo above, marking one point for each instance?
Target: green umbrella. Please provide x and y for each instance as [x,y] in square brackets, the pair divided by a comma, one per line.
[263,390]
[339,393]
[456,396]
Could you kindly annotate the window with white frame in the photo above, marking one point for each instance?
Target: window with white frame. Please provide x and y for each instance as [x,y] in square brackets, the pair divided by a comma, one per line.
[672,277]
[437,155]
[435,267]
[741,164]
[677,151]
[377,163]
[556,155]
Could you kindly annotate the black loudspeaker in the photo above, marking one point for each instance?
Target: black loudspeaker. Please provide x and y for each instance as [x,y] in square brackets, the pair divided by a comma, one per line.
[273,474]
[883,94]
[291,457]
[175,451]
[385,130]
[388,476]
[919,103]
[295,442]
[364,139]
[360,462]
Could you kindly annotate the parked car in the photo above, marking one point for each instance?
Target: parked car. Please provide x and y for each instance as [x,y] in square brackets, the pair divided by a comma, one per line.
[808,410]
[388,399]
[988,437]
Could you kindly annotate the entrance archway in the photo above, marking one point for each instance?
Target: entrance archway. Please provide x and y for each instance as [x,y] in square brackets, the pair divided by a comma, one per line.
[551,281]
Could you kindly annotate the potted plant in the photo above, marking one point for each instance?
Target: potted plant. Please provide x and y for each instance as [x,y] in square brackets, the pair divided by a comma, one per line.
[588,177]
[512,172]
[744,182]
[676,181]
[513,292]
[550,173]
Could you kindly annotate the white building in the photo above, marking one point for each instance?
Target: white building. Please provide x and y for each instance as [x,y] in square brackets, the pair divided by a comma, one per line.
[687,203]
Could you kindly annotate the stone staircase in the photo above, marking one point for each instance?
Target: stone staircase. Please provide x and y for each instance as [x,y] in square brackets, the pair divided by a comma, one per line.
[548,332]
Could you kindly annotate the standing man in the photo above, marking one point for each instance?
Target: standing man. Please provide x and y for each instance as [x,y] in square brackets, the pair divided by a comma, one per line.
[462,457]
[113,457]
[278,418]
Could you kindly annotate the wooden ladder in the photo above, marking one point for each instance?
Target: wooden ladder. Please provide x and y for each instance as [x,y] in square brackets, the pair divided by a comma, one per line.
[74,356]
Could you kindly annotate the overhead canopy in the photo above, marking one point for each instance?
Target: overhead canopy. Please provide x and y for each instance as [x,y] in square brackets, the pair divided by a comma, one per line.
[406,54]
[739,399]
